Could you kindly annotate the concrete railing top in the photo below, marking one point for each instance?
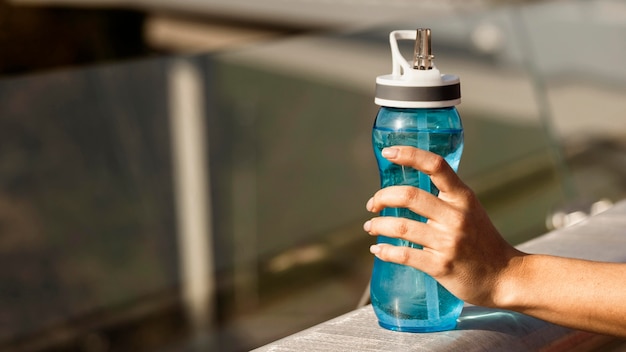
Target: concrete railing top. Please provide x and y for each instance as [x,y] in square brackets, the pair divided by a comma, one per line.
[601,237]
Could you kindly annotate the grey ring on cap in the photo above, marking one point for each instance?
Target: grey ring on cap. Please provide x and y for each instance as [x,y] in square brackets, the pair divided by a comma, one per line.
[437,93]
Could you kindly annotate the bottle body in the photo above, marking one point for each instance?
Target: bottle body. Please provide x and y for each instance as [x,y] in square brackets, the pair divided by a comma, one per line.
[404,298]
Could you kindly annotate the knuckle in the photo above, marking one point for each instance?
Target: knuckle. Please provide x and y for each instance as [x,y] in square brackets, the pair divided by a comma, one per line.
[458,218]
[447,266]
[403,255]
[402,228]
[412,153]
[437,164]
[448,244]
[411,194]
[444,267]
[468,195]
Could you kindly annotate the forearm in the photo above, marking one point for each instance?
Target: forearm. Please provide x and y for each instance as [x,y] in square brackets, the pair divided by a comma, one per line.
[570,292]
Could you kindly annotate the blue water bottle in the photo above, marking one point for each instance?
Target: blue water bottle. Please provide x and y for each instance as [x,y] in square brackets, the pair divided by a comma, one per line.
[417,109]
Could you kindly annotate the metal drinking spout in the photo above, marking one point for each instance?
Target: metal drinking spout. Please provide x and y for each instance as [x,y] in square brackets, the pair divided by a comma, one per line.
[422,57]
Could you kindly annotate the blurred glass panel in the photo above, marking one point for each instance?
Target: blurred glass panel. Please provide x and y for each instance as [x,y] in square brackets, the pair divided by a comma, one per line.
[87,222]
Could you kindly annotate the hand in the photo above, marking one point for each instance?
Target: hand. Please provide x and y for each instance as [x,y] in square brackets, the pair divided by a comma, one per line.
[466,254]
[462,249]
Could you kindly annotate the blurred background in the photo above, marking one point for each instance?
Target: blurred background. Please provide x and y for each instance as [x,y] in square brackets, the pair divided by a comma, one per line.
[191,175]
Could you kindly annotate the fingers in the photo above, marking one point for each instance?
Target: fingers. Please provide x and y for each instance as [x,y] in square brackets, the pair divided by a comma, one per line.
[410,230]
[412,198]
[446,213]
[441,174]
[417,258]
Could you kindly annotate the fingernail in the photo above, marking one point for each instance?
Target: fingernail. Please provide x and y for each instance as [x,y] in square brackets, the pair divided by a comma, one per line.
[389,153]
[370,204]
[367,226]
[374,249]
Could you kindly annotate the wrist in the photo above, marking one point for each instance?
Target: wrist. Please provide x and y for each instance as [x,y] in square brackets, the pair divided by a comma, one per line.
[510,289]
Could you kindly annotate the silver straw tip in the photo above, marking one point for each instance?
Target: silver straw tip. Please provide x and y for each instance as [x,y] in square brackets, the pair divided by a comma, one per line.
[422,56]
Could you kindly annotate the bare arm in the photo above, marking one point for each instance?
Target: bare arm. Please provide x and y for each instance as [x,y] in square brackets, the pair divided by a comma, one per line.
[576,293]
[467,255]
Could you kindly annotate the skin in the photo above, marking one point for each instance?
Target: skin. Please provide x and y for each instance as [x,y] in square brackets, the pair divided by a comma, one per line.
[465,252]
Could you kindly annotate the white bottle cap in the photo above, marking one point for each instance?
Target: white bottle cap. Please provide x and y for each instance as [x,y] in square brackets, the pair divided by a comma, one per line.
[420,85]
